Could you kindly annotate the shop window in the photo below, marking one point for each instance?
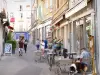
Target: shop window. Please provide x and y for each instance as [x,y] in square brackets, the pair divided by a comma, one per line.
[46,3]
[51,3]
[21,8]
[80,38]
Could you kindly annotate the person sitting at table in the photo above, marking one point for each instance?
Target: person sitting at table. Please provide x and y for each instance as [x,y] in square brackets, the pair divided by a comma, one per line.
[85,56]
[82,61]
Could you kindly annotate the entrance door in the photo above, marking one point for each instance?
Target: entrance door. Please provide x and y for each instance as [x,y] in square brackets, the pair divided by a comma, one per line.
[80,38]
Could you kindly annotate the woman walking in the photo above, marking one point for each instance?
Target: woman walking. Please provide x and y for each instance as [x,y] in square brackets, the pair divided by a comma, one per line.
[21,46]
[42,47]
[25,46]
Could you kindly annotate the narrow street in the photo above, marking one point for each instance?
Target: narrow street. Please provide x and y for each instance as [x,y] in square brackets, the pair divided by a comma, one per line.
[25,65]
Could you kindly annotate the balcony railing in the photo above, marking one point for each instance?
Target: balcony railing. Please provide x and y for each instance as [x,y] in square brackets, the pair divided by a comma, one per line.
[61,10]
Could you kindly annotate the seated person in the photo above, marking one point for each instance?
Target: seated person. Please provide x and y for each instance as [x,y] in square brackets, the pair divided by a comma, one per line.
[85,56]
[81,65]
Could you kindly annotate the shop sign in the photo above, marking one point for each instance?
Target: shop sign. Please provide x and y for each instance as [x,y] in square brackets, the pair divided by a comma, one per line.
[12,20]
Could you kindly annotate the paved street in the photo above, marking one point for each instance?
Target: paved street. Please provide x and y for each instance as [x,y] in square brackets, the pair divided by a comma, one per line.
[25,65]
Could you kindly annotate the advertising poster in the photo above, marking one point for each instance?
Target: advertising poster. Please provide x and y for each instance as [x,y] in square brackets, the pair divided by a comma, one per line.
[8,48]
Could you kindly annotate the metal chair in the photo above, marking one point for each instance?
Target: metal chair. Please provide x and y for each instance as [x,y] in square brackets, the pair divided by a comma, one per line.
[63,64]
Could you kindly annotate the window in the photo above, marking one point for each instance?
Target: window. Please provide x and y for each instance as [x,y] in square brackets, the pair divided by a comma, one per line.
[51,3]
[21,15]
[21,8]
[57,3]
[46,3]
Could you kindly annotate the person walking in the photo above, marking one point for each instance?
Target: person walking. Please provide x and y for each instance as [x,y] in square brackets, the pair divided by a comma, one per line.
[46,43]
[25,45]
[21,46]
[37,44]
[42,47]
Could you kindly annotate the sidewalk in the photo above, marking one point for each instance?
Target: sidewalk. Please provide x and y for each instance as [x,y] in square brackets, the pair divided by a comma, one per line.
[25,65]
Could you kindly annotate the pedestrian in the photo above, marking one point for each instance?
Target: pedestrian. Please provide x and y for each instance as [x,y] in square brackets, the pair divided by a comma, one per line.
[46,43]
[42,47]
[21,46]
[25,45]
[37,44]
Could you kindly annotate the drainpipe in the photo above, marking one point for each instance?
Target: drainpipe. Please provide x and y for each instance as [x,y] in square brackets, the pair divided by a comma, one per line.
[96,33]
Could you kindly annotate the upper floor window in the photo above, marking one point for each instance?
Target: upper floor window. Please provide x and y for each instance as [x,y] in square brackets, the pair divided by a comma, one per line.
[57,3]
[46,4]
[51,3]
[21,8]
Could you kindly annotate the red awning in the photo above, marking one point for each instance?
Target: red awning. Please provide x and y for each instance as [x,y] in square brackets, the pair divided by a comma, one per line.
[10,27]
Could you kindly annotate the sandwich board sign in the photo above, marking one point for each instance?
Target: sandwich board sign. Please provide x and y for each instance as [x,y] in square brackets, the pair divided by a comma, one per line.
[8,49]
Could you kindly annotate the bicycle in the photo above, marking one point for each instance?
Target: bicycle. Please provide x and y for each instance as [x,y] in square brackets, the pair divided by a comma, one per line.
[51,60]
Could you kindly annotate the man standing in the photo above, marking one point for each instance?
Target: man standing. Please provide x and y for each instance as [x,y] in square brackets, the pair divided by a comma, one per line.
[37,44]
[25,45]
[46,43]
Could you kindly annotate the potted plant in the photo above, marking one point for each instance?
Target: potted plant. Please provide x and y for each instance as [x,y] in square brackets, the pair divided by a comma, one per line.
[11,41]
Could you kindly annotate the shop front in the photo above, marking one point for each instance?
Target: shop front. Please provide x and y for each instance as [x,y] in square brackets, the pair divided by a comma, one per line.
[83,32]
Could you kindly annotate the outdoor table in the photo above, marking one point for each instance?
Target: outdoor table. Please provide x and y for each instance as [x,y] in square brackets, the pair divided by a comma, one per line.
[71,55]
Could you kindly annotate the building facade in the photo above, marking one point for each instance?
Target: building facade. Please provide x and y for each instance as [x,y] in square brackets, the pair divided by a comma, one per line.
[3,15]
[73,23]
[42,21]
